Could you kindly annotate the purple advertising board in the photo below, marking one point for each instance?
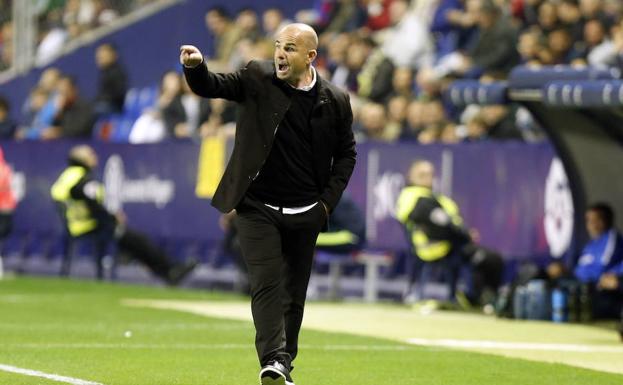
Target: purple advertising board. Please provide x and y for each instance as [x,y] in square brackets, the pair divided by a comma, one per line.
[500,189]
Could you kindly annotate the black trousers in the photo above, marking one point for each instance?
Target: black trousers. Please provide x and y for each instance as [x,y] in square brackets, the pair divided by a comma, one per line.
[278,250]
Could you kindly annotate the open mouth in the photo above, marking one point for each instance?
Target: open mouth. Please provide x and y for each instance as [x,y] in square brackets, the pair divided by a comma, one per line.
[282,67]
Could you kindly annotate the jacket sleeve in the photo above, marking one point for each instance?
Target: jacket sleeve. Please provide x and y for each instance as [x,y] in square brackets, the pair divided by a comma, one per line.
[344,158]
[91,192]
[208,84]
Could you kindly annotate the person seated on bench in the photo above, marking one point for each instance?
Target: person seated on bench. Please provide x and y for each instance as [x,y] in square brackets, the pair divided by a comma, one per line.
[346,232]
[80,198]
[438,236]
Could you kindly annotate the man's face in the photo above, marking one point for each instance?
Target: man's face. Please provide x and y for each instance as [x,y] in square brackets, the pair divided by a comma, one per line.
[105,56]
[292,55]
[215,23]
[594,224]
[422,174]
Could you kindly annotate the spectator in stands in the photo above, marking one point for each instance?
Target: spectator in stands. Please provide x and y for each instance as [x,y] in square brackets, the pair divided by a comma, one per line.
[7,126]
[344,16]
[446,26]
[548,16]
[500,121]
[372,121]
[226,35]
[532,50]
[433,113]
[599,48]
[415,120]
[272,22]
[248,24]
[449,134]
[378,14]
[594,9]
[167,118]
[75,117]
[370,72]
[48,80]
[428,84]
[399,44]
[171,107]
[571,18]
[80,201]
[459,30]
[41,106]
[251,42]
[562,48]
[40,112]
[112,82]
[396,116]
[476,128]
[197,115]
[494,51]
[402,82]
[51,41]
[179,114]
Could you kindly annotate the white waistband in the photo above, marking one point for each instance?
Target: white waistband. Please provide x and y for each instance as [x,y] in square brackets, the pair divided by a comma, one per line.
[292,210]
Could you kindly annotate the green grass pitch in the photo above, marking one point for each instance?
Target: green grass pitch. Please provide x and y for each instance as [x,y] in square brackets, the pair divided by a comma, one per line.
[82,330]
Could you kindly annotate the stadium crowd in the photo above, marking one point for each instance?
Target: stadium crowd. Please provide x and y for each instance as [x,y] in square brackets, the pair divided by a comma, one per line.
[395,57]
[58,22]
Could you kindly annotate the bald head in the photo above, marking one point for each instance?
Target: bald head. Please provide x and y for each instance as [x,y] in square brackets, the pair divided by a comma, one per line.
[421,173]
[83,154]
[295,50]
[304,32]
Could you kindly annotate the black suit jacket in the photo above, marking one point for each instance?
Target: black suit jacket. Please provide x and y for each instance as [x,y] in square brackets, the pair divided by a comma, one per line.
[262,107]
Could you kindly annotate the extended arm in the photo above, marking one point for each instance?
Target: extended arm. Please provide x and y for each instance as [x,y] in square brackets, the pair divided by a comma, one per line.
[209,84]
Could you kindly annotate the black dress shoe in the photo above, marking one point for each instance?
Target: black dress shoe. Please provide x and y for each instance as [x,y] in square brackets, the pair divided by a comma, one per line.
[275,373]
[181,271]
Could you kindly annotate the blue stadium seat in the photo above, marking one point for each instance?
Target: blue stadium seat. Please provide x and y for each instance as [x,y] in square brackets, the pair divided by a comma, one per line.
[147,98]
[131,101]
[122,128]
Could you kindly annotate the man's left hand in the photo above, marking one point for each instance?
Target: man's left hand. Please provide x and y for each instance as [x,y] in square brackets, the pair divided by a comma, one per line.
[608,281]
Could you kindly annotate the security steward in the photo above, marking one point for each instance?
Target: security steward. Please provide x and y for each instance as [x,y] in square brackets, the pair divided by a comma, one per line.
[79,198]
[436,231]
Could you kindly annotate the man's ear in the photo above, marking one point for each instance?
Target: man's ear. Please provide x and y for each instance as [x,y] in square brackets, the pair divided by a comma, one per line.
[311,55]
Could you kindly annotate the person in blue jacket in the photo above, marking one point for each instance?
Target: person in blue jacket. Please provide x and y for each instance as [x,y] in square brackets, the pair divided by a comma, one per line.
[600,266]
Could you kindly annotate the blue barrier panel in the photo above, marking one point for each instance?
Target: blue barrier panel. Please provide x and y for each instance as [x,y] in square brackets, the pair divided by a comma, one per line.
[525,77]
[596,93]
[464,92]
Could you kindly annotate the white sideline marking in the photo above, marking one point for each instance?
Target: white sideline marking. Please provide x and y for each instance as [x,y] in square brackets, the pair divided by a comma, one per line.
[53,377]
[248,346]
[445,343]
[497,345]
